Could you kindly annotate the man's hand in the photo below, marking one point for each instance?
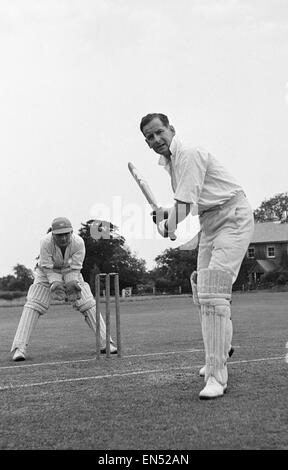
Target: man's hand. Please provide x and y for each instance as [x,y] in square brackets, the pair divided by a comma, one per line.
[73,290]
[162,228]
[160,214]
[57,290]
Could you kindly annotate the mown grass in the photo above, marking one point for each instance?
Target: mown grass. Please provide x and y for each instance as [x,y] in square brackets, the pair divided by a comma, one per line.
[146,400]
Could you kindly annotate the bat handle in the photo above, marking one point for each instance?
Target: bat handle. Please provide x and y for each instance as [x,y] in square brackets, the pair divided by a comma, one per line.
[172,237]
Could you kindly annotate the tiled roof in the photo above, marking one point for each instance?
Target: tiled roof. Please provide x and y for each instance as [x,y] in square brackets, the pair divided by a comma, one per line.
[265,232]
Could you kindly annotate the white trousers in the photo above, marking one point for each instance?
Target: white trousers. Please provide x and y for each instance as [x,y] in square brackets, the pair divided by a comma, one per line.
[225,236]
[226,233]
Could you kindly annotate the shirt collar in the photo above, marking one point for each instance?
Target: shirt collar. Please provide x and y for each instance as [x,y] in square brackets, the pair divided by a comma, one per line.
[163,161]
[174,144]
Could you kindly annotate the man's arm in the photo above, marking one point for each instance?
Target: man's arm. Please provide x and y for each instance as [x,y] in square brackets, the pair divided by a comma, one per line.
[46,262]
[178,213]
[54,278]
[71,275]
[77,258]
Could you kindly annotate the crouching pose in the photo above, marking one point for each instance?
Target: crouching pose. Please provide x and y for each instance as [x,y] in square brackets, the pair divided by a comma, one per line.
[202,185]
[58,277]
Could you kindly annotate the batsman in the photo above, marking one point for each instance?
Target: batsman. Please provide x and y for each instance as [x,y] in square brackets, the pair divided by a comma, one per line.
[58,276]
[202,185]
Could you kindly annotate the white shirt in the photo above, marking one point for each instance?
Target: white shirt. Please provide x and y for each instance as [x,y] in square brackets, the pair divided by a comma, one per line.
[51,260]
[197,177]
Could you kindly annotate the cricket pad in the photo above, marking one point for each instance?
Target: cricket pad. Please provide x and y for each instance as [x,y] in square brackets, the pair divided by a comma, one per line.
[214,292]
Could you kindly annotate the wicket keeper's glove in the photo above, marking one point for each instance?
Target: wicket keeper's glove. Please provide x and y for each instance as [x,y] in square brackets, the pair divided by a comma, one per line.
[73,291]
[57,290]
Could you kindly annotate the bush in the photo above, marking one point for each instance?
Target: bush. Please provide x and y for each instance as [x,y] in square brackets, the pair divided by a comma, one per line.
[281,280]
[273,279]
[10,295]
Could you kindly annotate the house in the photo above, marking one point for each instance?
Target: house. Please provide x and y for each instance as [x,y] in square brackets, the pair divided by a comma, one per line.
[268,250]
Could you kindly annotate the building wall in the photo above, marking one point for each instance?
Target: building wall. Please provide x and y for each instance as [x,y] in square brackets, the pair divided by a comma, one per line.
[261,250]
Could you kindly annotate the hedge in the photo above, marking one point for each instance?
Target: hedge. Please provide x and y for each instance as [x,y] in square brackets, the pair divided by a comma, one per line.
[10,295]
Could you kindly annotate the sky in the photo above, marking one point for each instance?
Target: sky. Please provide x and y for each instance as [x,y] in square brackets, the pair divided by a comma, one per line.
[78,75]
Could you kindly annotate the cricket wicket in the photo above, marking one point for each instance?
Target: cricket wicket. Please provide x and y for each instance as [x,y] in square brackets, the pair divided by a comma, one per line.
[107,278]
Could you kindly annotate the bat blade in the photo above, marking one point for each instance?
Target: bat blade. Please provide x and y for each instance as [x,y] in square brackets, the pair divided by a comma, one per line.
[145,188]
[143,185]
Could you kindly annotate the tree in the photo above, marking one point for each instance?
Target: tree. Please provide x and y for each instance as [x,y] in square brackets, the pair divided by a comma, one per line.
[6,282]
[21,280]
[275,208]
[24,276]
[106,251]
[174,268]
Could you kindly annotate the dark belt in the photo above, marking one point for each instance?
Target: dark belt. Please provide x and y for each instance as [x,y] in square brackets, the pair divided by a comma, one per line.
[232,199]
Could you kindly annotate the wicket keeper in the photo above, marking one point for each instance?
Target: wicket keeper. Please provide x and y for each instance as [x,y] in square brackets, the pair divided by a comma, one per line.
[201,184]
[58,276]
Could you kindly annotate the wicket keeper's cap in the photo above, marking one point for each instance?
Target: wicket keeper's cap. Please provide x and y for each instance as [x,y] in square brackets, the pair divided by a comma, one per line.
[61,225]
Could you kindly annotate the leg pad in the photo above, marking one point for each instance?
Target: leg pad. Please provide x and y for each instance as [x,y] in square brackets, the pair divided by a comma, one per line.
[26,325]
[193,280]
[87,300]
[38,298]
[91,322]
[214,290]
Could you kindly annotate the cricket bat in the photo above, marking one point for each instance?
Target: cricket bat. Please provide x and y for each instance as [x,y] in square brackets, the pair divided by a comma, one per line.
[146,190]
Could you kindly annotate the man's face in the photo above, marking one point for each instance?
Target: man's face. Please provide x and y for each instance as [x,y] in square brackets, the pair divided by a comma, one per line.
[159,137]
[62,239]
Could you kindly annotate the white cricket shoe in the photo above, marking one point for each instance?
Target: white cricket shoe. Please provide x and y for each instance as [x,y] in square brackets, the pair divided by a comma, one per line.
[212,389]
[19,355]
[113,349]
[202,371]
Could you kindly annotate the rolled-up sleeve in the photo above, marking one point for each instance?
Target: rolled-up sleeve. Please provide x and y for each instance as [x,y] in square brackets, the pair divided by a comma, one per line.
[76,260]
[46,261]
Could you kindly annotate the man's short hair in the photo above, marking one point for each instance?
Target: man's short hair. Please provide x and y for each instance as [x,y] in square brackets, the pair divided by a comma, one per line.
[146,119]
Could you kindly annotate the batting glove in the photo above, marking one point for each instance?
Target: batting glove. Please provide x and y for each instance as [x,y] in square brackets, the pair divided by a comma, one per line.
[73,291]
[162,228]
[160,214]
[57,290]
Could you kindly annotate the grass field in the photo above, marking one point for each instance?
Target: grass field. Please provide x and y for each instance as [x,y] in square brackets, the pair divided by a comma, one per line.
[63,398]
